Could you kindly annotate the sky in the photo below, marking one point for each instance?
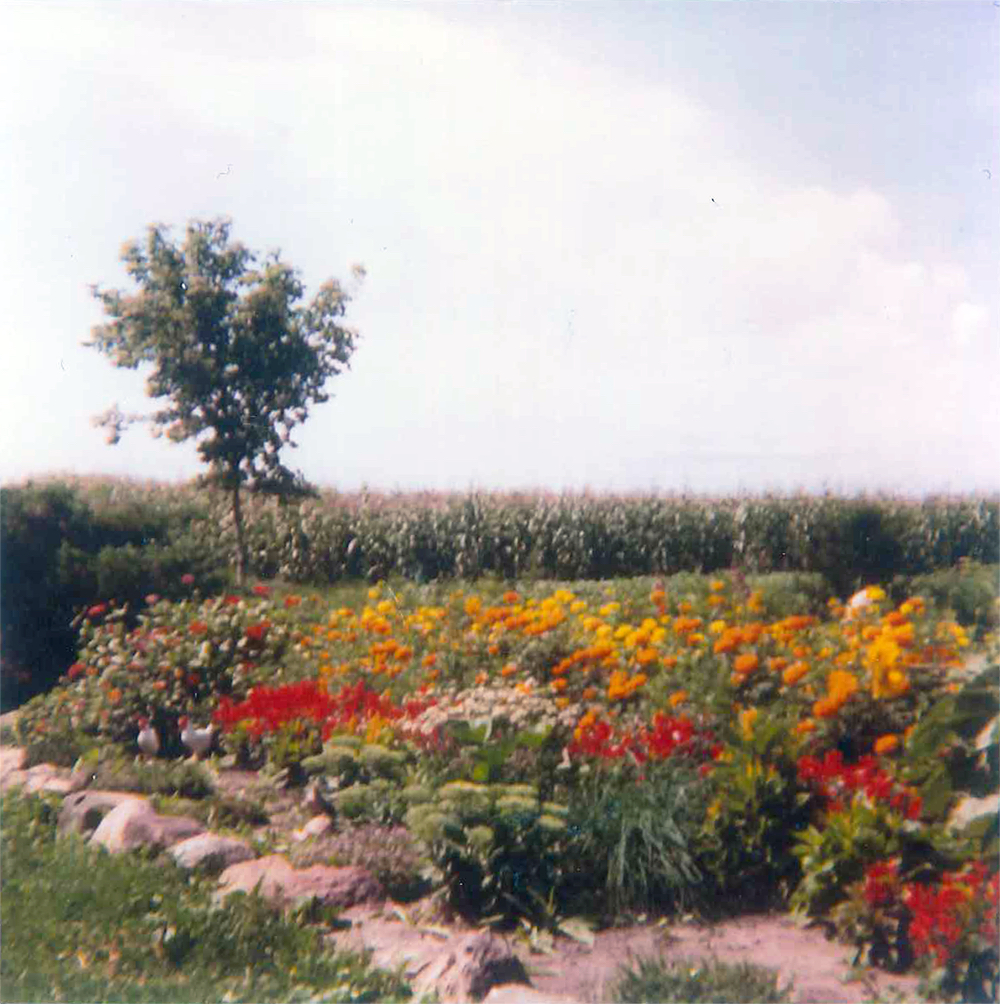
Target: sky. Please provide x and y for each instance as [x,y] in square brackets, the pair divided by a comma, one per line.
[671,246]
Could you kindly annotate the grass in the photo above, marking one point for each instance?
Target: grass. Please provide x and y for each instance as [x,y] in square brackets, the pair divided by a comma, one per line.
[79,925]
[685,981]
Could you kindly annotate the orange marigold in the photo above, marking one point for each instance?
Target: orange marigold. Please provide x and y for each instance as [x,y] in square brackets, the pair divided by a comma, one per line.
[886,743]
[746,663]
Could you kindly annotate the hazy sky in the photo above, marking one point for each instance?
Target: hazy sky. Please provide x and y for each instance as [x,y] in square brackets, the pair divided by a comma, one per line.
[624,246]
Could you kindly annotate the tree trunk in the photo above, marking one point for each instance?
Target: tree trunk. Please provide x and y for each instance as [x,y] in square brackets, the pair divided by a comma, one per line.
[241,543]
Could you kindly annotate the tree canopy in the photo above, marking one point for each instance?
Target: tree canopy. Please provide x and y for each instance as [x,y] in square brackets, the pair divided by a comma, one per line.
[235,352]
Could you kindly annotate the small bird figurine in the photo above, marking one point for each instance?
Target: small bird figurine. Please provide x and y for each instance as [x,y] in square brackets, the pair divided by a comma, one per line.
[198,741]
[147,739]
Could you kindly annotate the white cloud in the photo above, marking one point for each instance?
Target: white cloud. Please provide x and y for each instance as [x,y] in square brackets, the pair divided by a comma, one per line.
[572,275]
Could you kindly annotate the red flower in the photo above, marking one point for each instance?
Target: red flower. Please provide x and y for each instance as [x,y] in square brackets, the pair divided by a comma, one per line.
[77,669]
[258,632]
[97,610]
[880,882]
[230,601]
[261,590]
[197,627]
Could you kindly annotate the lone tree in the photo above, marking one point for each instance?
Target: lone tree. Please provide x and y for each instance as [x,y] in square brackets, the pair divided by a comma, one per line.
[234,351]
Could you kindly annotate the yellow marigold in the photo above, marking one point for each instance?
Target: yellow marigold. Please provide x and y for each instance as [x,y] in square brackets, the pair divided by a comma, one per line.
[562,702]
[795,672]
[777,663]
[806,725]
[746,663]
[886,743]
[747,719]
[473,605]
[717,585]
[668,661]
[677,697]
[695,638]
[644,656]
[715,600]
[717,627]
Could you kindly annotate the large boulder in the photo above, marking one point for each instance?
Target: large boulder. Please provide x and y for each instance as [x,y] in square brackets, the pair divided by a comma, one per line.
[279,881]
[83,811]
[134,824]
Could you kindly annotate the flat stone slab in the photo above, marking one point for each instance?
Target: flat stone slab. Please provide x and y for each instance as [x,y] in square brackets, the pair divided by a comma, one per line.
[278,880]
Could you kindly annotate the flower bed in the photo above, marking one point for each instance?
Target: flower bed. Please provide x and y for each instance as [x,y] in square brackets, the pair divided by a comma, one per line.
[634,746]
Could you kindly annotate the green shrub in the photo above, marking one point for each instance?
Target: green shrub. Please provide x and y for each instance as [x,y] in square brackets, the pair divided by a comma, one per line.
[747,840]
[62,553]
[499,849]
[970,591]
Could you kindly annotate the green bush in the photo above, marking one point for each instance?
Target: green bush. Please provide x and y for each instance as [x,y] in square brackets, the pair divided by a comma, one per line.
[499,849]
[62,553]
[971,591]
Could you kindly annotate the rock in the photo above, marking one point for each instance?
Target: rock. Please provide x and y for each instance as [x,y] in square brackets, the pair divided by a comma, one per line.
[134,824]
[340,887]
[11,762]
[518,993]
[470,966]
[41,777]
[210,852]
[83,811]
[316,827]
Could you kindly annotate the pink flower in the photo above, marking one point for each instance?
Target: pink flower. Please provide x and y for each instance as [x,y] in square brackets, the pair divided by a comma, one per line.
[187,579]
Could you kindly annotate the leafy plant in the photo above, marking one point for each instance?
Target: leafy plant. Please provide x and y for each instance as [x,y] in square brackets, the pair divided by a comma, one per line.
[499,848]
[746,844]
